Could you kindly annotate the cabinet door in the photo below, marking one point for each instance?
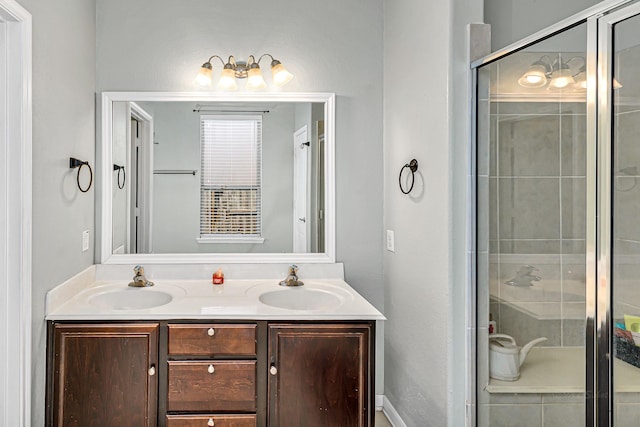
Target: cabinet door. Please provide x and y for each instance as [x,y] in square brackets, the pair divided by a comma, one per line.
[105,375]
[319,375]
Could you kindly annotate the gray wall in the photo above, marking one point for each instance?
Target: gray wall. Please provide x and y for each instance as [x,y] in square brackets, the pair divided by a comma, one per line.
[63,127]
[331,46]
[176,210]
[424,339]
[512,20]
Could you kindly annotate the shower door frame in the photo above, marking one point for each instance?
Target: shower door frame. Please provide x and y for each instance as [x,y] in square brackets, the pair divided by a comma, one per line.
[599,20]
[606,53]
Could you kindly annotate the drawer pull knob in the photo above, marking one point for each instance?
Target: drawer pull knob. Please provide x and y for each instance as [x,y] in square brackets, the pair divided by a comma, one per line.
[273,370]
[211,332]
[210,423]
[211,369]
[152,371]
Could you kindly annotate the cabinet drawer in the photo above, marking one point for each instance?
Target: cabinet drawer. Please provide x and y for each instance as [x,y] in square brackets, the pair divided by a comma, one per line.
[210,386]
[211,420]
[212,339]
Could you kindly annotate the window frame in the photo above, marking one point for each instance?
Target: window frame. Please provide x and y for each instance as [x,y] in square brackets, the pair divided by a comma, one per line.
[232,237]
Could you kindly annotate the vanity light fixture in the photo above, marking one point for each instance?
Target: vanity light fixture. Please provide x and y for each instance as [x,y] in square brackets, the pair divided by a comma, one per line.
[233,70]
[557,73]
[581,78]
[561,74]
[616,84]
[537,74]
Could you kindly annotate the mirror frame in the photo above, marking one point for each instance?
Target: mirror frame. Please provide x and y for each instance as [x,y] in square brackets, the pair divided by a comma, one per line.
[105,180]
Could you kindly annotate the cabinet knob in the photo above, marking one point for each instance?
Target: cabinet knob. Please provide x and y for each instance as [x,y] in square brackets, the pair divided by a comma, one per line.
[152,371]
[211,332]
[273,370]
[210,423]
[211,369]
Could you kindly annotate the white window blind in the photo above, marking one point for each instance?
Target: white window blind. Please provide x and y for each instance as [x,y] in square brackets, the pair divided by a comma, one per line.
[230,196]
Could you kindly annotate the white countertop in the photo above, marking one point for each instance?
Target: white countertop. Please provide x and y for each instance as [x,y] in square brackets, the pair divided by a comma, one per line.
[562,370]
[199,299]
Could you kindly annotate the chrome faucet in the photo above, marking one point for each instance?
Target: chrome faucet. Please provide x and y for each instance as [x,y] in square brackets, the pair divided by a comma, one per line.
[524,277]
[139,281]
[292,278]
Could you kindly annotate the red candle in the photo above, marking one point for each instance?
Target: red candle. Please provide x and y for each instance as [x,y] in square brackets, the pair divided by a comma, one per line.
[218,277]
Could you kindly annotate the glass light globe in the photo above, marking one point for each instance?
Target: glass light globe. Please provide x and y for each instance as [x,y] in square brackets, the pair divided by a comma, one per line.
[280,74]
[205,75]
[228,80]
[535,76]
[255,80]
[561,78]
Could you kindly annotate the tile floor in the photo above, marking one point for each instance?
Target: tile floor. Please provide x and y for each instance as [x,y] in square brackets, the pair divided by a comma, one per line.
[381,420]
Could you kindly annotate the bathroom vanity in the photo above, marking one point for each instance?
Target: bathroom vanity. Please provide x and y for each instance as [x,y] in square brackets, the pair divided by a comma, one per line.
[180,374]
[211,356]
[186,353]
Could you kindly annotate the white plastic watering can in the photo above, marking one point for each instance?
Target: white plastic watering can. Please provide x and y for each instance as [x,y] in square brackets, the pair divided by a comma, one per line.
[505,358]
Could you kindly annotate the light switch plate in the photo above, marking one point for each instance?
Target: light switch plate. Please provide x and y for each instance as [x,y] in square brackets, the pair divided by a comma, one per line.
[391,246]
[85,240]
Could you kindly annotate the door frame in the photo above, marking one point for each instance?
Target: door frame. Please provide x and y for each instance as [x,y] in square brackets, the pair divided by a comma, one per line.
[297,149]
[16,208]
[145,177]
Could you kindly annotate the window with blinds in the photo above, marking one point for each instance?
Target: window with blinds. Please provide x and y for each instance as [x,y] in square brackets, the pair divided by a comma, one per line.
[230,189]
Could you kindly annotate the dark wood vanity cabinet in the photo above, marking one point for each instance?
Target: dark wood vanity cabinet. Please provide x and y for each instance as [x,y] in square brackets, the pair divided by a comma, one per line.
[319,375]
[212,374]
[103,375]
[223,374]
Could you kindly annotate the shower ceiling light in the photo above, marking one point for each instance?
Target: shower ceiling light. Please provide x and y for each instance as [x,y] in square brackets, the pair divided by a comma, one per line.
[250,70]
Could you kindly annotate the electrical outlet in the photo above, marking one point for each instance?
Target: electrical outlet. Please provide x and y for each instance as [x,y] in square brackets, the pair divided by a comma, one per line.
[85,240]
[390,241]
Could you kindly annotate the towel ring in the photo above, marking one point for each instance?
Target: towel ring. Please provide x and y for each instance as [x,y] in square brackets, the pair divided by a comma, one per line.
[413,167]
[75,163]
[124,175]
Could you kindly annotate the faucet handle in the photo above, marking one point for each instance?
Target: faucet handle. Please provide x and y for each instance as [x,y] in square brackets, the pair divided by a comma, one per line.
[293,269]
[138,270]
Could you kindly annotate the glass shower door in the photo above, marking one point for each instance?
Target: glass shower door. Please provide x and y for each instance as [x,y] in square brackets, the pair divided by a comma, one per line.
[558,226]
[531,235]
[623,87]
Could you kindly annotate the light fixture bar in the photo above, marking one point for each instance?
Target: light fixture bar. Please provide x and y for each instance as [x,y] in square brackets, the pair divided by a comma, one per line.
[556,74]
[233,70]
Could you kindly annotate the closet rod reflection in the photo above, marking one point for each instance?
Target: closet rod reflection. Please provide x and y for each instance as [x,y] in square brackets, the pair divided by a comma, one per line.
[174,172]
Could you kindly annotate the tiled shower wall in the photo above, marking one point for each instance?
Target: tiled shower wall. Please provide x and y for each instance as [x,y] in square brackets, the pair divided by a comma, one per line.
[537,185]
[626,185]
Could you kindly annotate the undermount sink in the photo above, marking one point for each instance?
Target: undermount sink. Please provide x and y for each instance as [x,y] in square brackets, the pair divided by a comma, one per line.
[130,299]
[300,299]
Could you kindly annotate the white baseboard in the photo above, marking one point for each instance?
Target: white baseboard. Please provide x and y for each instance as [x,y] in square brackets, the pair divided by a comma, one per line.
[391,413]
[379,401]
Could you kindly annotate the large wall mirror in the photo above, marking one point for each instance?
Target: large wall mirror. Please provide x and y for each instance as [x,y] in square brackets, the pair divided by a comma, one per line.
[191,177]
